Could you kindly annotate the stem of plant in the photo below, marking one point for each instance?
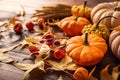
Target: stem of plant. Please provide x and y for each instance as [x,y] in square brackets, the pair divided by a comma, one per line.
[85,3]
[86,43]
[104,18]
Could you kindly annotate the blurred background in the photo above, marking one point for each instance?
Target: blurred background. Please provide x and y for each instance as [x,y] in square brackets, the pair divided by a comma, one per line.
[9,7]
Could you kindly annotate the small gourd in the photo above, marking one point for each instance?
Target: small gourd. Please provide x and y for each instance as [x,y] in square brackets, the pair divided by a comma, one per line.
[114,42]
[86,50]
[98,28]
[81,10]
[72,25]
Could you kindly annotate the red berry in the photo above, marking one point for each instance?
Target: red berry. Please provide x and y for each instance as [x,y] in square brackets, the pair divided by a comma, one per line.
[49,44]
[18,27]
[33,48]
[59,54]
[57,42]
[48,36]
[41,21]
[42,40]
[30,25]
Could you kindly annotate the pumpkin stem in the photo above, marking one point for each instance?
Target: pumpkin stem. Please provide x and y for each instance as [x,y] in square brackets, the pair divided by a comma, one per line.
[117,9]
[85,3]
[102,19]
[86,43]
[76,18]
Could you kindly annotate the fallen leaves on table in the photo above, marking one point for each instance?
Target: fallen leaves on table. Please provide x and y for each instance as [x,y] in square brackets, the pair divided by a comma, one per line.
[23,66]
[104,75]
[8,24]
[4,58]
[40,65]
[65,64]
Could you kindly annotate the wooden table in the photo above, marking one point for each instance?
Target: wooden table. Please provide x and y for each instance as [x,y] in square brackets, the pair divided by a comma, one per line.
[8,9]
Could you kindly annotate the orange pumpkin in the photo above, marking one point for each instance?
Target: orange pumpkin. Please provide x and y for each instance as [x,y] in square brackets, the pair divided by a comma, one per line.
[72,25]
[86,50]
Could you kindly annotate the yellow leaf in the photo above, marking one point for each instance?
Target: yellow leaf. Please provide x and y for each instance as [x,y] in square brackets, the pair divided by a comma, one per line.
[31,39]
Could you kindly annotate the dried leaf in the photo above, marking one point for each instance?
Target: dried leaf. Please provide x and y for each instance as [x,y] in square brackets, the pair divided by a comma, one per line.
[5,59]
[3,50]
[91,72]
[31,39]
[115,73]
[23,66]
[104,75]
[60,78]
[23,44]
[65,64]
[13,20]
[40,65]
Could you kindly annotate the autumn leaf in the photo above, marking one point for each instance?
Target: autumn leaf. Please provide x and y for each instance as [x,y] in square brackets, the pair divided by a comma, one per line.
[40,65]
[5,59]
[23,66]
[115,73]
[104,75]
[65,64]
[31,39]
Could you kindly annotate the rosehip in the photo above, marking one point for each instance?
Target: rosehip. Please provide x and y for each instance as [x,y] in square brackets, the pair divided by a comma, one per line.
[42,40]
[59,54]
[57,42]
[41,21]
[33,48]
[18,27]
[30,25]
[48,36]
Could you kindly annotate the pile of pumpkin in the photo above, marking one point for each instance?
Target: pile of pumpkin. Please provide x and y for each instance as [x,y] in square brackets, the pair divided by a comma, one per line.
[90,29]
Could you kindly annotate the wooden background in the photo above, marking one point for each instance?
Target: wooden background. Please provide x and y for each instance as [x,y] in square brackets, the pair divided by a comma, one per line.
[9,7]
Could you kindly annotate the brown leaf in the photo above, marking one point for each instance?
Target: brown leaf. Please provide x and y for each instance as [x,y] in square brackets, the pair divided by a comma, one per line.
[40,65]
[115,73]
[91,72]
[65,64]
[104,75]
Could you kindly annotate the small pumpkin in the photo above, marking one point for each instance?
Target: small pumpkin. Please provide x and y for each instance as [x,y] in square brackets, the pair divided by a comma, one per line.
[97,28]
[86,50]
[114,42]
[72,25]
[81,10]
[107,9]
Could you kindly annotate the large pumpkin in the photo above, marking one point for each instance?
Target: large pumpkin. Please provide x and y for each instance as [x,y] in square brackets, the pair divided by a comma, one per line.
[72,25]
[107,9]
[114,42]
[86,50]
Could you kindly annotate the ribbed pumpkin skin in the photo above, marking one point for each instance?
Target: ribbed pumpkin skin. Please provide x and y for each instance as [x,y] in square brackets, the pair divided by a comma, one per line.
[86,55]
[107,9]
[72,26]
[114,42]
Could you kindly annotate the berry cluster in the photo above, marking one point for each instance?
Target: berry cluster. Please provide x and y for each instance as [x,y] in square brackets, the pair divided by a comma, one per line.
[29,25]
